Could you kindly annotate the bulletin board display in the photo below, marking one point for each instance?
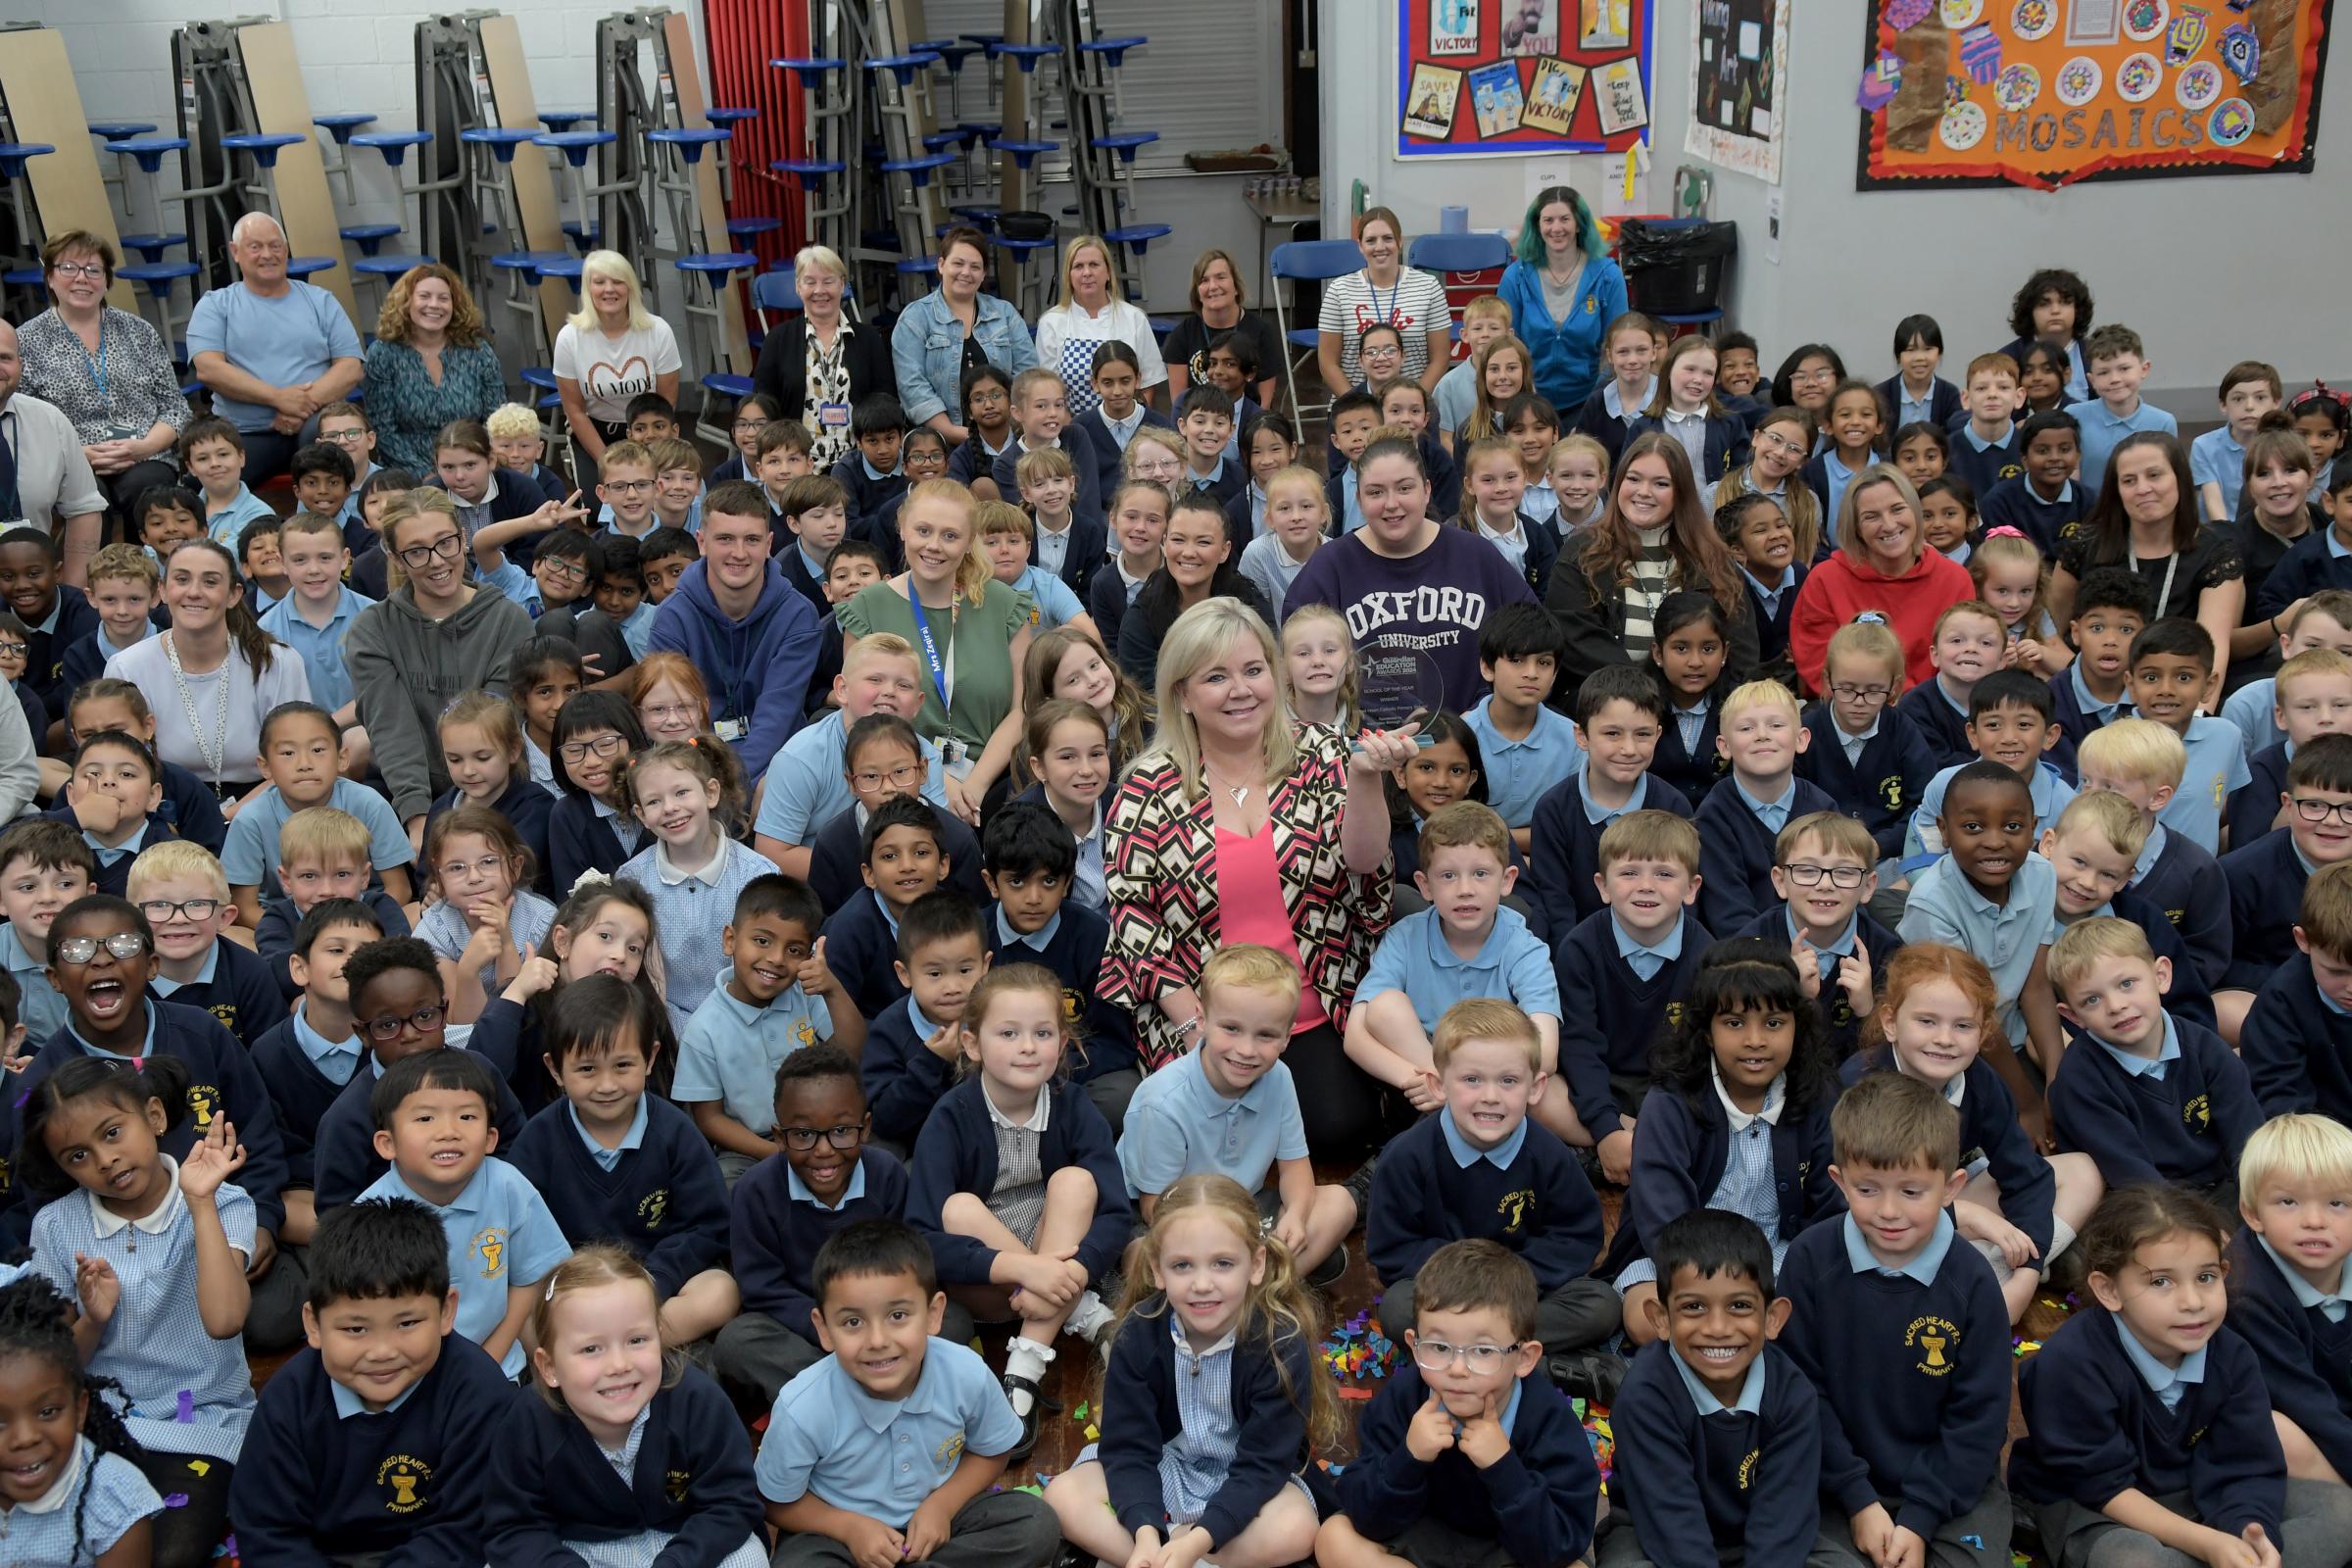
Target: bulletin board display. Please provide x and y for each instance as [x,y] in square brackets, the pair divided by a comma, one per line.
[2047,93]
[1489,76]
[1738,84]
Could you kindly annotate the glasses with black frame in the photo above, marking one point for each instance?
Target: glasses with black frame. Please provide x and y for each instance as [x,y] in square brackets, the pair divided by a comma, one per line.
[800,1140]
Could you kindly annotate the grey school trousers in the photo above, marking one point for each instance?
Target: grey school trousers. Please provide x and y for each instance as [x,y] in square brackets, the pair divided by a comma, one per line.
[995,1529]
[1977,1538]
[2316,1533]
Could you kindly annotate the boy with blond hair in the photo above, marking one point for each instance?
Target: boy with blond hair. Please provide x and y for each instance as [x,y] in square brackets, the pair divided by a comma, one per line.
[2286,1286]
[323,854]
[1762,731]
[518,446]
[2310,697]
[182,891]
[2323,620]
[2143,761]
[124,588]
[677,484]
[1484,320]
[1006,533]
[2090,847]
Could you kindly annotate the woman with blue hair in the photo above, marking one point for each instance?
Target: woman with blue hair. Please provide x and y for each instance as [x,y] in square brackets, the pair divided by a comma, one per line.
[1564,292]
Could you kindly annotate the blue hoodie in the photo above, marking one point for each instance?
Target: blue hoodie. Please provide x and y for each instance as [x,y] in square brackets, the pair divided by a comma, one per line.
[758,669]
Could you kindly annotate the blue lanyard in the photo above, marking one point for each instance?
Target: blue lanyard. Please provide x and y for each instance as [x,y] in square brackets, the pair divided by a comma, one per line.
[922,626]
[98,364]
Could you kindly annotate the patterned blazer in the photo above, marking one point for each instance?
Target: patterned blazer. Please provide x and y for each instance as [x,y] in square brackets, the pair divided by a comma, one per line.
[1159,859]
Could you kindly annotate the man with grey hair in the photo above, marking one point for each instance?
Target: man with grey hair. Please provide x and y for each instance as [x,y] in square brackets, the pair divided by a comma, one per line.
[45,481]
[273,351]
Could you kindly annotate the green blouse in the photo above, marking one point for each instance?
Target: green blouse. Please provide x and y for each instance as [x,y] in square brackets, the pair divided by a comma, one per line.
[982,640]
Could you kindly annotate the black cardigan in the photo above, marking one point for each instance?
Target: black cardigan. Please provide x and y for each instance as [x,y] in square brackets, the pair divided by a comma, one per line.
[1595,627]
[780,373]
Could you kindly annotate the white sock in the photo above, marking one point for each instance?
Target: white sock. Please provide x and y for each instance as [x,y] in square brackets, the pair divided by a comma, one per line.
[1026,1358]
[1089,1318]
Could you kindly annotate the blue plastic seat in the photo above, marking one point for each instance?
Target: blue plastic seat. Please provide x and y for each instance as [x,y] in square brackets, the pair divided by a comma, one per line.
[564,118]
[575,145]
[1026,152]
[917,266]
[499,139]
[811,70]
[302,267]
[156,277]
[24,277]
[531,264]
[14,155]
[1163,326]
[1139,235]
[728,385]
[342,123]
[263,145]
[1126,143]
[940,142]
[1027,55]
[118,130]
[389,265]
[150,151]
[563,264]
[393,144]
[689,140]
[903,67]
[807,171]
[983,218]
[369,237]
[981,132]
[777,291]
[1459,253]
[1113,50]
[1307,261]
[952,52]
[917,170]
[540,377]
[729,117]
[151,247]
[717,264]
[745,227]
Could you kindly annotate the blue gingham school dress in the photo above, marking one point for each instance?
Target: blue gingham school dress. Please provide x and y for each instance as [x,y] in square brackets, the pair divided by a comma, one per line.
[104,1491]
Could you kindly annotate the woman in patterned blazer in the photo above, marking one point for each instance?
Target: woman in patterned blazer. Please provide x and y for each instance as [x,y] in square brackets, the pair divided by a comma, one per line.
[1242,824]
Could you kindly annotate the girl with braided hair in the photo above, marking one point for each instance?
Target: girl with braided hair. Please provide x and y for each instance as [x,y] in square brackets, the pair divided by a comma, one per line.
[70,1489]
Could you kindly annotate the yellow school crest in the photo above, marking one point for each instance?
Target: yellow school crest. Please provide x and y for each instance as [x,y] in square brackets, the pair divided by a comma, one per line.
[2197,1114]
[1674,1016]
[1748,1468]
[652,1208]
[949,1452]
[1891,791]
[674,1484]
[226,1013]
[803,1034]
[1514,1209]
[204,1102]
[403,1479]
[490,1246]
[1936,1340]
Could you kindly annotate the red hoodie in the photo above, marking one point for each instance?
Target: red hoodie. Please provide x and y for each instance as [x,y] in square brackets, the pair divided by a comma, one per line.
[1837,590]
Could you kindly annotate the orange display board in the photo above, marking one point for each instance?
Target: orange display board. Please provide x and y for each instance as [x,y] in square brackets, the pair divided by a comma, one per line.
[2045,93]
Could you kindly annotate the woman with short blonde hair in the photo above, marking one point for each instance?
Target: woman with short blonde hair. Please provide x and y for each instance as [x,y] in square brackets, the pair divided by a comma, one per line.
[1089,310]
[612,350]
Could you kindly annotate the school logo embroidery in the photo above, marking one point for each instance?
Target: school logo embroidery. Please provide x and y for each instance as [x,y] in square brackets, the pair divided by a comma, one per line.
[1891,790]
[2197,1114]
[674,1484]
[203,1101]
[226,1013]
[2220,790]
[653,1209]
[949,1452]
[1514,1209]
[7,1174]
[403,1477]
[1935,1338]
[1748,1468]
[490,1246]
[2176,916]
[804,1033]
[1674,1016]
[1073,1006]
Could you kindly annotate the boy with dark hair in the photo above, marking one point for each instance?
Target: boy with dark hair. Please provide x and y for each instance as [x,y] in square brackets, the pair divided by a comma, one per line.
[903,856]
[2266,877]
[1207,424]
[1718,1434]
[2115,362]
[876,751]
[56,614]
[2112,608]
[2046,503]
[323,475]
[1027,858]
[307,1058]
[2297,1037]
[1905,1335]
[651,418]
[1823,878]
[263,560]
[811,516]
[2217,460]
[899,1433]
[1355,415]
[1620,714]
[1524,743]
[1466,1460]
[2011,720]
[2171,665]
[111,796]
[916,1042]
[372,1443]
[212,453]
[870,477]
[663,555]
[781,453]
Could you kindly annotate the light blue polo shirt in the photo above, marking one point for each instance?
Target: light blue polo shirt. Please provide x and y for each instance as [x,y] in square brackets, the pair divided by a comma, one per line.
[2219,457]
[1827,954]
[1467,1153]
[2249,710]
[2167,1383]
[2103,431]
[877,1458]
[243,509]
[1923,841]
[1924,1265]
[1647,959]
[1178,1126]
[730,1049]
[1703,1399]
[1518,772]
[1600,815]
[807,787]
[335,1060]
[1051,601]
[39,1007]
[1415,958]
[2307,1296]
[321,647]
[248,855]
[167,988]
[2217,769]
[1944,906]
[2098,713]
[500,1235]
[286,340]
[609,1160]
[2135,1066]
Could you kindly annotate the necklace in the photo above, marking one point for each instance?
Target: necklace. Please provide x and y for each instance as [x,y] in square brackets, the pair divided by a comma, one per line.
[215,754]
[1239,794]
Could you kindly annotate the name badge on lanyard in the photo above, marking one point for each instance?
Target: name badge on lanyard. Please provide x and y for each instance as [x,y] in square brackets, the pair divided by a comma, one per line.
[943,671]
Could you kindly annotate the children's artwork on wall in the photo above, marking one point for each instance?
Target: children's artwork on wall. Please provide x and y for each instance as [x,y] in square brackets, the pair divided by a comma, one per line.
[1536,75]
[1739,83]
[2046,94]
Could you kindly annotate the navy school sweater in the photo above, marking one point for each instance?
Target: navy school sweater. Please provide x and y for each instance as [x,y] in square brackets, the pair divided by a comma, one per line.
[410,1482]
[222,1081]
[1109,454]
[1080,449]
[1564,850]
[274,934]
[775,1238]
[45,650]
[957,1153]
[192,809]
[1772,627]
[243,992]
[2189,998]
[1681,1145]
[1541,1206]
[2189,1126]
[1268,1404]
[1726,445]
[902,1080]
[1691,769]
[1943,728]
[1914,1378]
[1883,786]
[2253,806]
[2016,504]
[551,1482]
[1987,468]
[1988,1125]
[2188,886]
[1105,1034]
[2094,1429]
[114,876]
[1841,1030]
[663,1201]
[1943,399]
[1696,1488]
[507,1036]
[1735,856]
[1536,1502]
[2306,1361]
[2073,722]
[866,495]
[861,951]
[2296,1048]
[837,857]
[299,1093]
[1082,556]
[1593,419]
[2308,567]
[578,840]
[1614,1014]
[525,806]
[2266,881]
[345,1163]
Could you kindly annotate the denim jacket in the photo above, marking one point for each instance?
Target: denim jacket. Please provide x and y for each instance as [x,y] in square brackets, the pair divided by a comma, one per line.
[926,352]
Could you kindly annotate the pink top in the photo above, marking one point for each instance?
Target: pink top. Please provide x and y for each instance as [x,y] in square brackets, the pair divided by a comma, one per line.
[1250,908]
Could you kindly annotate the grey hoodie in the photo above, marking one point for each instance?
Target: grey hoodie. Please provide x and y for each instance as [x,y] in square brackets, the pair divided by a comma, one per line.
[407,667]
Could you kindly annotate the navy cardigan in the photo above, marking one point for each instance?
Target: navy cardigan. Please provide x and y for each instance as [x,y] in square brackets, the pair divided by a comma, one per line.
[957,1152]
[1988,1125]
[663,1201]
[1726,445]
[1681,1145]
[1697,1489]
[1542,1207]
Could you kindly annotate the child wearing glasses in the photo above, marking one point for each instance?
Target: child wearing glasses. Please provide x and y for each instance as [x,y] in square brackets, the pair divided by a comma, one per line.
[183,893]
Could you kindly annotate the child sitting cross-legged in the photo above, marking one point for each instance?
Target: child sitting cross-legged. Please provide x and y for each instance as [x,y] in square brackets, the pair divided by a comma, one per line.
[1906,1337]
[2287,1284]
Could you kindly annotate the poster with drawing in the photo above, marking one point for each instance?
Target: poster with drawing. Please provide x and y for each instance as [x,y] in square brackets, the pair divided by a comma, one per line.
[1428,101]
[1482,77]
[1496,98]
[1531,27]
[1617,89]
[1552,97]
[1607,24]
[1739,83]
[1452,28]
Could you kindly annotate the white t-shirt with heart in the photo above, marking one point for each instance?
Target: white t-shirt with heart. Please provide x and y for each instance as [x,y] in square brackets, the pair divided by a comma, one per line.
[611,371]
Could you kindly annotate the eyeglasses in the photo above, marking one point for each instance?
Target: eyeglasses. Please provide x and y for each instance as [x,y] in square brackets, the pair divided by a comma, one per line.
[159,910]
[753,426]
[124,946]
[449,547]
[629,487]
[562,571]
[659,711]
[1774,438]
[387,1028]
[1436,1355]
[903,778]
[1846,691]
[344,438]
[803,1138]
[602,746]
[79,270]
[13,650]
[2311,810]
[1811,377]
[1840,876]
[487,866]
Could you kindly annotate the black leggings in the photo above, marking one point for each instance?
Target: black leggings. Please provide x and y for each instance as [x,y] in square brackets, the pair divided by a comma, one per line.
[187,1532]
[1348,1113]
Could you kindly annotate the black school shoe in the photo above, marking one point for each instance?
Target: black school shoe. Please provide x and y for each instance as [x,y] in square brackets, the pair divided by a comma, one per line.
[1592,1375]
[1324,1275]
[1039,1405]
